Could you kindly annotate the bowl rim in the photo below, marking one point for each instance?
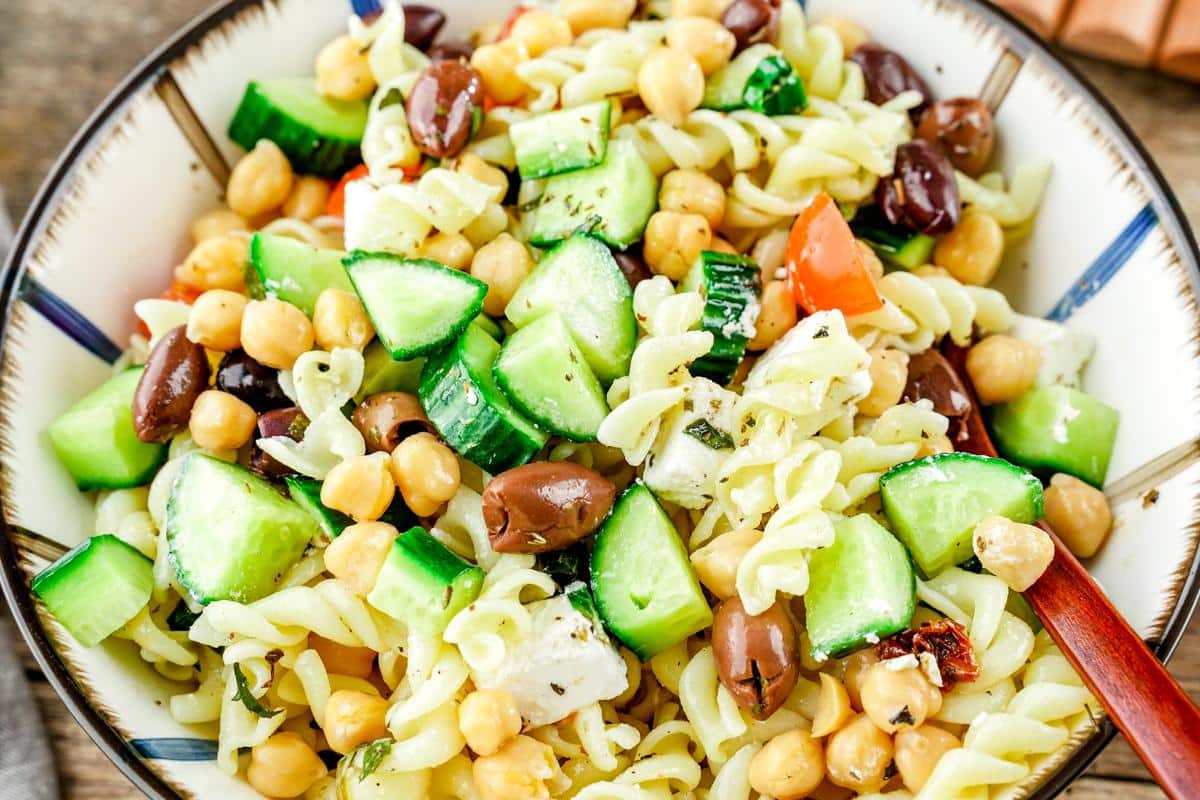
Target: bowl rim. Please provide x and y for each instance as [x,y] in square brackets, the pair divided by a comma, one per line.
[14,586]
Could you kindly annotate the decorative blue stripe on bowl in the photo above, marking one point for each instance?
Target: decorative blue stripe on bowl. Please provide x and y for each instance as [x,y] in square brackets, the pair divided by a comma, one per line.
[66,318]
[175,749]
[1106,265]
[365,8]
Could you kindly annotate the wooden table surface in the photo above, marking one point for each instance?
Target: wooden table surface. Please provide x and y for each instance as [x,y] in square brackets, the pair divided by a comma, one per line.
[59,58]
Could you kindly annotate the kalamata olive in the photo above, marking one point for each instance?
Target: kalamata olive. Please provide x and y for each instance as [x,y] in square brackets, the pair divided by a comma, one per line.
[963,129]
[757,657]
[388,418]
[932,378]
[422,24]
[176,373]
[442,107]
[289,422]
[633,266]
[752,21]
[451,51]
[922,193]
[251,382]
[888,74]
[545,506]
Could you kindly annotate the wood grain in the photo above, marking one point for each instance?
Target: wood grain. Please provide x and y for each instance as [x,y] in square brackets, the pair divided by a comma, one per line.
[59,58]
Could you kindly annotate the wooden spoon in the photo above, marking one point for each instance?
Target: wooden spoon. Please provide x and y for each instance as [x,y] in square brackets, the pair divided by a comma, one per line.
[1156,715]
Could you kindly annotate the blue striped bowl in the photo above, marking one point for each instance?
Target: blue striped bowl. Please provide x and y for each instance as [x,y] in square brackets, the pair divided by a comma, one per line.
[1110,252]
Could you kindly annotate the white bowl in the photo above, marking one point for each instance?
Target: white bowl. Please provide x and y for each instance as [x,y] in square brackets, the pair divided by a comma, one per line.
[1110,251]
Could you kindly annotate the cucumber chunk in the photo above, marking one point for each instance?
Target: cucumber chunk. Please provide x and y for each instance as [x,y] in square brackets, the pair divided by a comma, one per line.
[416,305]
[644,585]
[760,79]
[490,327]
[935,503]
[562,141]
[295,271]
[580,279]
[318,135]
[423,584]
[1058,429]
[731,286]
[382,373]
[232,535]
[861,589]
[307,494]
[95,440]
[544,374]
[96,588]
[461,398]
[898,246]
[614,199]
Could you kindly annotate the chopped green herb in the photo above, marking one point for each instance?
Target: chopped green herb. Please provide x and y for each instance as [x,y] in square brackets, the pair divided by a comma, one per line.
[373,754]
[247,697]
[704,432]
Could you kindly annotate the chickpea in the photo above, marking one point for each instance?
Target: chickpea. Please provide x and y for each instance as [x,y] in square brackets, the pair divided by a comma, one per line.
[221,421]
[857,666]
[356,556]
[671,84]
[889,374]
[502,264]
[849,32]
[343,72]
[339,320]
[897,699]
[870,259]
[690,191]
[275,333]
[586,15]
[918,751]
[497,67]
[971,253]
[522,770]
[261,181]
[488,720]
[1015,553]
[1003,368]
[541,31]
[673,242]
[716,563]
[360,487]
[935,446]
[474,166]
[216,263]
[308,198]
[776,317]
[451,249]
[1078,513]
[217,223]
[788,767]
[353,718]
[488,226]
[930,271]
[713,9]
[340,659]
[426,472]
[719,245]
[284,766]
[857,756]
[215,320]
[833,706]
[705,39]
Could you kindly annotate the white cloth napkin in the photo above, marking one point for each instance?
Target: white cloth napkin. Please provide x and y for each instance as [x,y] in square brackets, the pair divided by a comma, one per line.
[26,767]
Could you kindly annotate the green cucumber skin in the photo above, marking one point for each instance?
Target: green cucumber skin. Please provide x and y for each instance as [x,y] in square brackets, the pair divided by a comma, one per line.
[380,313]
[730,284]
[861,589]
[96,588]
[565,151]
[306,492]
[760,79]
[231,534]
[450,386]
[423,584]
[905,251]
[296,272]
[940,535]
[96,442]
[636,523]
[1029,429]
[311,152]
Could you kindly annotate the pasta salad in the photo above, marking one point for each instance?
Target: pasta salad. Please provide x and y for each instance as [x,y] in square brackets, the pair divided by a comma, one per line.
[572,412]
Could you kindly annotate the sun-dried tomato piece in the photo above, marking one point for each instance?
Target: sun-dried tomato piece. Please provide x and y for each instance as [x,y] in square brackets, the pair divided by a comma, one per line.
[946,641]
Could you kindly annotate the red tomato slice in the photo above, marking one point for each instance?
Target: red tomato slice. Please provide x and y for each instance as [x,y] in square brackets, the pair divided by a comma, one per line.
[825,266]
[335,206]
